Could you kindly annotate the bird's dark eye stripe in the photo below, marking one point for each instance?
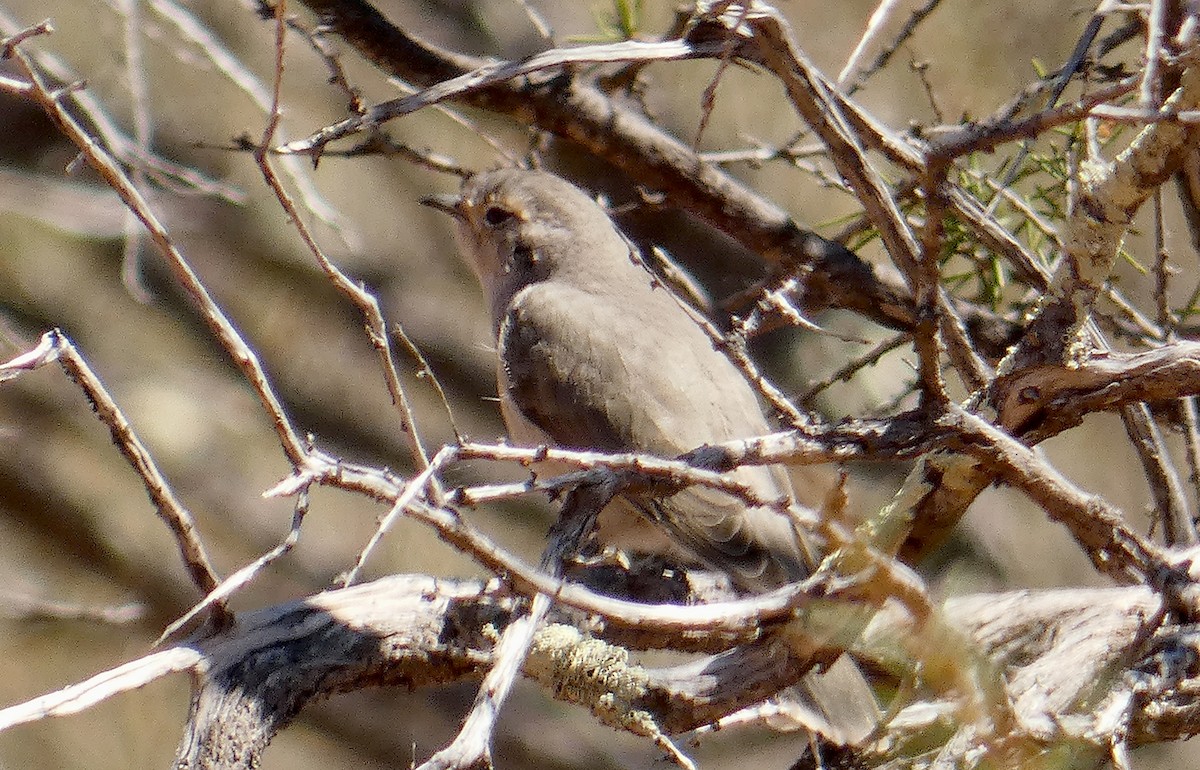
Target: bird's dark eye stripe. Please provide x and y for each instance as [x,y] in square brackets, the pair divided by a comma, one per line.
[496,215]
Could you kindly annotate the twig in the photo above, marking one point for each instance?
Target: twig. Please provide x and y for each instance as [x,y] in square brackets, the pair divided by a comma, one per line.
[23,607]
[874,27]
[1191,438]
[1166,488]
[366,303]
[216,320]
[242,577]
[1099,529]
[214,49]
[425,371]
[82,696]
[844,374]
[926,283]
[1150,92]
[412,491]
[499,72]
[55,347]
[139,97]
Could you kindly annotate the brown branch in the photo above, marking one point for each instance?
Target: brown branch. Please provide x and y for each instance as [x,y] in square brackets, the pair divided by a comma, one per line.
[1114,548]
[55,347]
[1044,400]
[216,320]
[1060,651]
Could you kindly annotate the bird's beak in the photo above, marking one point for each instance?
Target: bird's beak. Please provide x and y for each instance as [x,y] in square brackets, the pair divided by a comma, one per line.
[451,204]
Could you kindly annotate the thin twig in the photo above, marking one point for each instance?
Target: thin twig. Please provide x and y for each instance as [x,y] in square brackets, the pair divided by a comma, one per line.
[242,577]
[906,31]
[139,97]
[227,63]
[576,519]
[363,300]
[216,320]
[1114,548]
[846,372]
[55,347]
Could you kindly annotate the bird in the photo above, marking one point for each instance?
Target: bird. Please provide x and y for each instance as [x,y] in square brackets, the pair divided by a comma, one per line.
[595,353]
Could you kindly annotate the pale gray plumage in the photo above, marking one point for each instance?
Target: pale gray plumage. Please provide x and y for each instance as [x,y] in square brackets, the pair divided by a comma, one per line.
[595,354]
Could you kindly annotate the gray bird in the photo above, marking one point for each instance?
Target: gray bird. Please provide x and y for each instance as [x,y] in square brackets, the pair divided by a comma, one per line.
[595,354]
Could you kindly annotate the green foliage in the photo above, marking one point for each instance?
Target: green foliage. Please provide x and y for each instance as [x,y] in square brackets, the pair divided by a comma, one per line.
[621,21]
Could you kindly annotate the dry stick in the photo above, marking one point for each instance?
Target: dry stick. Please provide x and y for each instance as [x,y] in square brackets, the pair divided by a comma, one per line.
[708,98]
[22,607]
[83,695]
[1112,622]
[1145,331]
[871,32]
[367,305]
[9,44]
[1191,435]
[914,20]
[243,576]
[376,327]
[887,579]
[1098,527]
[423,481]
[1166,488]
[111,136]
[925,281]
[676,472]
[1162,271]
[378,142]
[1151,87]
[426,371]
[692,468]
[333,62]
[474,126]
[734,348]
[540,25]
[499,72]
[987,136]
[55,346]
[139,98]
[216,320]
[839,444]
[1043,401]
[214,49]
[1175,512]
[870,358]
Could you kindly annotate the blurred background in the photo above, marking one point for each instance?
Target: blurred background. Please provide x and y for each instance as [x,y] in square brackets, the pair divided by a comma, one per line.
[76,528]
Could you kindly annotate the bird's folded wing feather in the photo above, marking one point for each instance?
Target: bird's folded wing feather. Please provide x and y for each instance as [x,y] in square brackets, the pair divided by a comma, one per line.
[663,390]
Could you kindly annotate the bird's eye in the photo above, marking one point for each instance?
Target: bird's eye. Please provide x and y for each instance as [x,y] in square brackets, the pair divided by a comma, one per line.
[495,215]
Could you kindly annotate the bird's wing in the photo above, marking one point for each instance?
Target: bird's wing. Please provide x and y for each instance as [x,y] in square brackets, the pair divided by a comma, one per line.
[663,390]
